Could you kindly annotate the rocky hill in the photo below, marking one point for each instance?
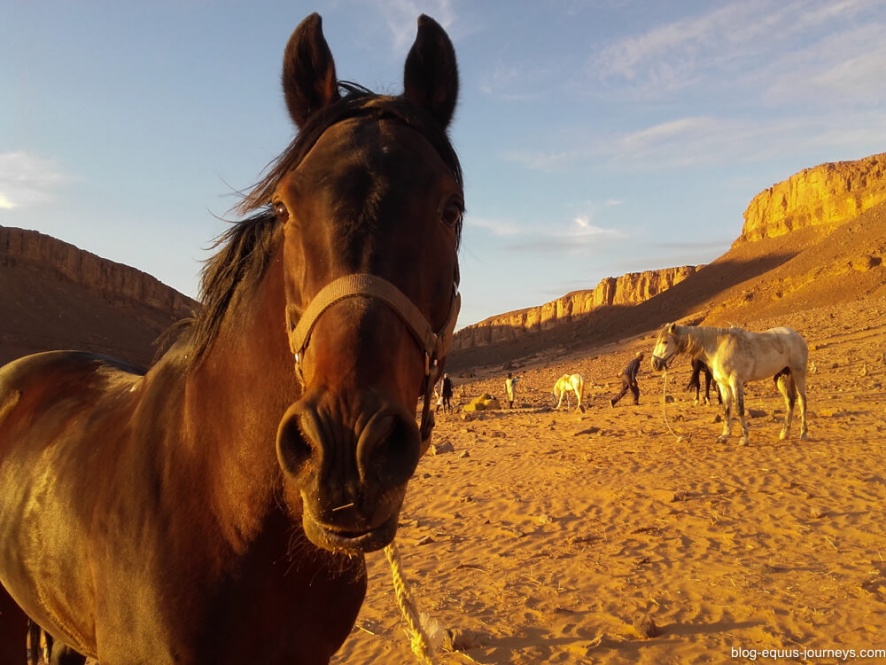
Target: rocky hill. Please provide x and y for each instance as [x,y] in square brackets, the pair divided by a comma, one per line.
[826,194]
[630,289]
[55,295]
[817,239]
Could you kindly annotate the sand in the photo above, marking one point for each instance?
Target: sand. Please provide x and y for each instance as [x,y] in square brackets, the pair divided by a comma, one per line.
[628,535]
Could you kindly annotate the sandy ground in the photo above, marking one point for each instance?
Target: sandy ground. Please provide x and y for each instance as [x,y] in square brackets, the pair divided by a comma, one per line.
[628,535]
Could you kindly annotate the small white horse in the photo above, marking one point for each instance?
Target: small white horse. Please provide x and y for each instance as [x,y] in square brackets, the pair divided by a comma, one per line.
[574,383]
[735,356]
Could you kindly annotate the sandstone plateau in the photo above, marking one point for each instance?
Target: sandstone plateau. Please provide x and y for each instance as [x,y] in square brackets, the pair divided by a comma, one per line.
[630,289]
[827,194]
[54,295]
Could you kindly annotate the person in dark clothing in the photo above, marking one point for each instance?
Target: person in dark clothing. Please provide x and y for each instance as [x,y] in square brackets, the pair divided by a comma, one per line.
[629,380]
[447,393]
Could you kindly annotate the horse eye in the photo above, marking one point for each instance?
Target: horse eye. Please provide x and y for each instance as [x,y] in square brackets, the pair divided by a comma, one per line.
[280,209]
[452,212]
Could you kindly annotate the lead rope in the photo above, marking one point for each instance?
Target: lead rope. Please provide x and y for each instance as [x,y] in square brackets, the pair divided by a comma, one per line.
[418,638]
[664,409]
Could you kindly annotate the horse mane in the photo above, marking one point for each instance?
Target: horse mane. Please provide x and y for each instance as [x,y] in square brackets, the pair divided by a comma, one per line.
[694,339]
[248,245]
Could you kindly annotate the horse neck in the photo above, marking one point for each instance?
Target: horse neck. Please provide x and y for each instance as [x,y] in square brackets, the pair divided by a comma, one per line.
[236,396]
[699,341]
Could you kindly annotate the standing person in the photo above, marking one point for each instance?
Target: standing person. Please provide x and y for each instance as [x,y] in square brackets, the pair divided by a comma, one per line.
[629,380]
[511,388]
[446,393]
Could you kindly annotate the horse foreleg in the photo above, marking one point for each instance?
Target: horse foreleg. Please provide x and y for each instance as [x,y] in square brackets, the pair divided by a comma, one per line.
[727,415]
[800,384]
[787,389]
[738,391]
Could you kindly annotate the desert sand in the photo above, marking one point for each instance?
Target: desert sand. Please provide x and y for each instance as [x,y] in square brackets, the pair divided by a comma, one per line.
[628,535]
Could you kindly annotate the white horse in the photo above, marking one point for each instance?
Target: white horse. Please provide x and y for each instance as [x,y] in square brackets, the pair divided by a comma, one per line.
[735,356]
[574,383]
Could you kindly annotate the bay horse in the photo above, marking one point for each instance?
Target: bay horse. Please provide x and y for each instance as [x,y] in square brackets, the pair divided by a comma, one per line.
[217,508]
[736,356]
[699,369]
[569,383]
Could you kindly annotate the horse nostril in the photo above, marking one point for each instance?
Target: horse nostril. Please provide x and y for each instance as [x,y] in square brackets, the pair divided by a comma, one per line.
[293,449]
[388,450]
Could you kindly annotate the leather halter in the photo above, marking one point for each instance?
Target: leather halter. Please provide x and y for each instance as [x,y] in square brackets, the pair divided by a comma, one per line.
[666,361]
[435,345]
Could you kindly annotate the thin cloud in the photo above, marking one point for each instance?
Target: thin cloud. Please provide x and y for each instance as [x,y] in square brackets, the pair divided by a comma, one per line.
[498,227]
[400,16]
[705,141]
[26,179]
[719,48]
[581,238]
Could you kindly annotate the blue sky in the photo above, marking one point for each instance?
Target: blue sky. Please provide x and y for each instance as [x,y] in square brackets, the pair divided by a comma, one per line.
[597,137]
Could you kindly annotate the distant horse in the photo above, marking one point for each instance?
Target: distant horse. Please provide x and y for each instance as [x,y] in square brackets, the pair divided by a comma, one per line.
[217,508]
[569,383]
[735,356]
[699,368]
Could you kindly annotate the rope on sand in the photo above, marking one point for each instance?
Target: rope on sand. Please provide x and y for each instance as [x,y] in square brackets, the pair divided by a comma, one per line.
[664,409]
[418,639]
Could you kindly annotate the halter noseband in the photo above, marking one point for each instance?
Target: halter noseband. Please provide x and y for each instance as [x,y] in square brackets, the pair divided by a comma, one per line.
[435,345]
[666,361]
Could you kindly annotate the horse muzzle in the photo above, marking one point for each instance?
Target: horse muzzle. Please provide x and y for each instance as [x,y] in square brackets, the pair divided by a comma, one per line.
[351,479]
[661,364]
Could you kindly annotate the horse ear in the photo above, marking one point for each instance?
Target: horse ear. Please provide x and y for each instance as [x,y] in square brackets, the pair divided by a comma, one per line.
[309,81]
[430,77]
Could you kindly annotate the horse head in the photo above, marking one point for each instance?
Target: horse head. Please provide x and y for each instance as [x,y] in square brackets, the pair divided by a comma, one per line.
[667,346]
[371,211]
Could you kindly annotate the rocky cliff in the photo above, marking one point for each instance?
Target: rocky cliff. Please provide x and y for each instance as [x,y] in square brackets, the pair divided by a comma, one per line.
[826,194]
[19,247]
[56,296]
[629,289]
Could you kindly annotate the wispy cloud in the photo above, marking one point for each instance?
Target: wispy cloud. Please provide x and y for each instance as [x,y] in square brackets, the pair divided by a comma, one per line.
[577,235]
[692,142]
[498,227]
[754,41]
[400,16]
[510,82]
[26,179]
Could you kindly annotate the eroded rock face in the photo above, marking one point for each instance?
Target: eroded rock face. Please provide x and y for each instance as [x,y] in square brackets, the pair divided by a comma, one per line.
[826,194]
[56,296]
[115,280]
[629,289]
